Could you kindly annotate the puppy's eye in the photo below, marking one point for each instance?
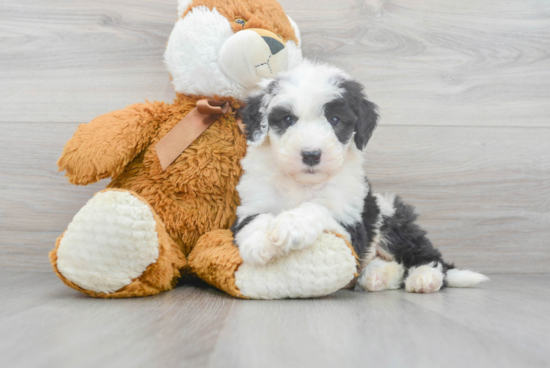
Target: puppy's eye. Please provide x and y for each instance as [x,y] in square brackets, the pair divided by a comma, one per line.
[240,21]
[334,121]
[289,120]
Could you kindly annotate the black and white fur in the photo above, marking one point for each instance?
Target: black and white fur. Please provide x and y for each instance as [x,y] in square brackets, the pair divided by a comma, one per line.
[304,174]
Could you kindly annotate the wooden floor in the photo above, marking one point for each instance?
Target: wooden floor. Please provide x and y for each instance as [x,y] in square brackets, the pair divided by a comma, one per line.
[504,323]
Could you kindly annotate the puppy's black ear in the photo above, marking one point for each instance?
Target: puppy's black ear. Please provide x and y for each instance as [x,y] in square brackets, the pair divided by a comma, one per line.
[253,115]
[365,110]
[368,119]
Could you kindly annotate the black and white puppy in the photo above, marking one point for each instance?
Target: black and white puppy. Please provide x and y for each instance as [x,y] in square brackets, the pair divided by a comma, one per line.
[304,174]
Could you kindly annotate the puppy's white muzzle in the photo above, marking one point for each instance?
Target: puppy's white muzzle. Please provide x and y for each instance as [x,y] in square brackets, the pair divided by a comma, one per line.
[252,55]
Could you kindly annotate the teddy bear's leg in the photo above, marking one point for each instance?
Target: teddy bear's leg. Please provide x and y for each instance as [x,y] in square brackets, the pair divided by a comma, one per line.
[117,247]
[321,269]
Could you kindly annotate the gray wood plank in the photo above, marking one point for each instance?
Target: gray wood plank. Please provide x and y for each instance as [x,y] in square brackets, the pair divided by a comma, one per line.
[357,329]
[438,62]
[67,61]
[50,325]
[434,63]
[483,193]
[46,324]
[36,202]
[527,308]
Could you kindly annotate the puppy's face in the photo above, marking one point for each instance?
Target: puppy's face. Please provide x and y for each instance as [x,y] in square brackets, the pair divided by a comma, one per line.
[311,116]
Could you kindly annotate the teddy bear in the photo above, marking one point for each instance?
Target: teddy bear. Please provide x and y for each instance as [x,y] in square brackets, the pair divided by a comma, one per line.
[174,168]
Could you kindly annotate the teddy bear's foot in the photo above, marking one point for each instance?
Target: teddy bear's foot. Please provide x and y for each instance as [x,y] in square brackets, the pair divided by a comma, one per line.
[320,269]
[116,246]
[324,267]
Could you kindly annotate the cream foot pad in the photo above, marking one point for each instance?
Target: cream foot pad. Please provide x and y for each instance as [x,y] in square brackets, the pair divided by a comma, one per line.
[321,269]
[110,242]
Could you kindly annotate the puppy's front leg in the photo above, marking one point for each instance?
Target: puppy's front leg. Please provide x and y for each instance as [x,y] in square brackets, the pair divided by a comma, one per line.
[254,245]
[301,226]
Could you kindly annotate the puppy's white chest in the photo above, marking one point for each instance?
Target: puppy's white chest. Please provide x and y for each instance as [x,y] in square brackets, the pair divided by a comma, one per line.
[291,196]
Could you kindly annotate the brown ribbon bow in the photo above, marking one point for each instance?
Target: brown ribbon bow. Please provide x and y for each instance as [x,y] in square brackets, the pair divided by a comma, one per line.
[188,129]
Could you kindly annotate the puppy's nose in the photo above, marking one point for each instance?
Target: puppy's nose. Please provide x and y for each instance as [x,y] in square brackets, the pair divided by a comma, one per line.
[311,158]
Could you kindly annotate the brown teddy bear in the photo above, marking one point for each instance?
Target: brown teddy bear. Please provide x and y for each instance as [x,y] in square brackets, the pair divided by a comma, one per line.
[174,169]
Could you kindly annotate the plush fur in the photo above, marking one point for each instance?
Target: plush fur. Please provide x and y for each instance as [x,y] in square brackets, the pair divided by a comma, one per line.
[264,14]
[205,26]
[194,195]
[304,174]
[183,5]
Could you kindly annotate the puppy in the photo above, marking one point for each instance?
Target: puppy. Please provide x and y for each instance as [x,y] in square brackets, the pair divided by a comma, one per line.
[304,174]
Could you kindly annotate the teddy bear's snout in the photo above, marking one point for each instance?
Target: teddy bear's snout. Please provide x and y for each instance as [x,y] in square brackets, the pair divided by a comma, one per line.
[251,55]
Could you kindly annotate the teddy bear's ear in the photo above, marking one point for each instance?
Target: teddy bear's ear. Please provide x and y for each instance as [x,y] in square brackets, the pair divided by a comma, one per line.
[182,6]
[296,30]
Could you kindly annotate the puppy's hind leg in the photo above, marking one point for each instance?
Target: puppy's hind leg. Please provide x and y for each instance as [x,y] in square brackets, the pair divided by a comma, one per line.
[425,279]
[426,271]
[381,275]
[410,247]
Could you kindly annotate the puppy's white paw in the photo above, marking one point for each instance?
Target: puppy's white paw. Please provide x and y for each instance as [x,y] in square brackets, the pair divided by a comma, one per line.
[293,231]
[381,275]
[254,246]
[424,279]
[374,280]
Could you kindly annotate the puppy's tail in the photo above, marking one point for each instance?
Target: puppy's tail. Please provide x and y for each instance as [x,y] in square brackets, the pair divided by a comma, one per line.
[458,278]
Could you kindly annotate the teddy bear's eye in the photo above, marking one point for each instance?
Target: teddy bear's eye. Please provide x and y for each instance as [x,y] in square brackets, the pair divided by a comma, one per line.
[240,21]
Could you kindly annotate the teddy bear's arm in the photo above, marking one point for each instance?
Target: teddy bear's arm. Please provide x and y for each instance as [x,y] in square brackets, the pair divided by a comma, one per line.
[103,147]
